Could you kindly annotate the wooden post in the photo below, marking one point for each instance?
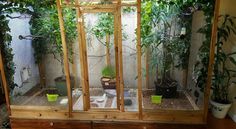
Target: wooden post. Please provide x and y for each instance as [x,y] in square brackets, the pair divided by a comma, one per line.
[86,104]
[119,27]
[65,56]
[86,76]
[147,68]
[211,59]
[5,85]
[139,59]
[108,59]
[117,59]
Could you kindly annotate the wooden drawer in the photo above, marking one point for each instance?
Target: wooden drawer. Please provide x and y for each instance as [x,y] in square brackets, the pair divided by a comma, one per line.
[49,124]
[120,125]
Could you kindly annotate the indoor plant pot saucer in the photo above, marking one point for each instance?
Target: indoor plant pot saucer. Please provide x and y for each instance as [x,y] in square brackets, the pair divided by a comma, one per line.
[219,110]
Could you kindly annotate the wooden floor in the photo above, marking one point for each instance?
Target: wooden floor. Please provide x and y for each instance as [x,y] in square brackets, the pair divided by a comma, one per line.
[214,123]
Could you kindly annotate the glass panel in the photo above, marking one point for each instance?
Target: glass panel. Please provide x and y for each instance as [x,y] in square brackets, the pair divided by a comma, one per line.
[168,45]
[101,59]
[129,24]
[39,71]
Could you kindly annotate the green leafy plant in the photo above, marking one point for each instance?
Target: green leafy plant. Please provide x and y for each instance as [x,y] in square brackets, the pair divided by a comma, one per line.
[45,25]
[46,31]
[104,26]
[6,8]
[157,35]
[222,73]
[109,72]
[201,66]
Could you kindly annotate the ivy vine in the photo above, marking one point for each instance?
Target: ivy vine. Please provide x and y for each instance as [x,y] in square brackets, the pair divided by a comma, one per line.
[6,8]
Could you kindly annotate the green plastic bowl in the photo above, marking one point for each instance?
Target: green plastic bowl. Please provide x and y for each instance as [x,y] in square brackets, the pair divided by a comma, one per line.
[52,97]
[156,99]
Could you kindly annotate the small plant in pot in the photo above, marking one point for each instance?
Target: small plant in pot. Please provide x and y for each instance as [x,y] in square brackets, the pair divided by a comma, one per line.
[108,77]
[222,72]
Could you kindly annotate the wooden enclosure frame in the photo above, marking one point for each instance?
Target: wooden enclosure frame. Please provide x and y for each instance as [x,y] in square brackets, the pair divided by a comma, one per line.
[167,116]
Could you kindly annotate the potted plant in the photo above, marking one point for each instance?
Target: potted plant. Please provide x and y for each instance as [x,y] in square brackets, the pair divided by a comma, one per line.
[157,37]
[108,77]
[222,72]
[45,28]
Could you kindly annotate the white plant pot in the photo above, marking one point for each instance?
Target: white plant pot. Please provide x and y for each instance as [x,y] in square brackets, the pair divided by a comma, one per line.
[219,110]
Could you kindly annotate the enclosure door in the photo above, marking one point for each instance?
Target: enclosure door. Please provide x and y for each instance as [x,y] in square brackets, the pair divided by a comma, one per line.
[100,92]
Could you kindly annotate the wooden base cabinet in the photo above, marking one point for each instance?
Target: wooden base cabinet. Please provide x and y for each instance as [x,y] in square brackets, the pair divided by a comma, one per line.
[67,124]
[49,124]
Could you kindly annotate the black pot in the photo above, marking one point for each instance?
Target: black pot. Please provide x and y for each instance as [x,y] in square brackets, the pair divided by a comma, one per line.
[61,85]
[109,84]
[166,91]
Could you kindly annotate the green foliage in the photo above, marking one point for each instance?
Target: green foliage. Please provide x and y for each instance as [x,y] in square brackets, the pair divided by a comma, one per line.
[127,10]
[222,73]
[157,21]
[108,71]
[105,25]
[201,67]
[8,7]
[45,26]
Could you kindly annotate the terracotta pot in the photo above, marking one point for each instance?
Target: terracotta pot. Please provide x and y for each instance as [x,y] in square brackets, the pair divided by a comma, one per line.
[108,83]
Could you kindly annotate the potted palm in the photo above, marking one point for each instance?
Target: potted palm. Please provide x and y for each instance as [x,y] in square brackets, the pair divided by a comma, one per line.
[157,37]
[223,74]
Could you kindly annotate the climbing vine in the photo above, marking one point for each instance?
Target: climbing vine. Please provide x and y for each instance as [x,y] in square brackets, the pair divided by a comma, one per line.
[6,8]
[45,28]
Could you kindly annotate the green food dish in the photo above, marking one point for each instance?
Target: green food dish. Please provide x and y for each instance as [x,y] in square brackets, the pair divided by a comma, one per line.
[52,97]
[156,99]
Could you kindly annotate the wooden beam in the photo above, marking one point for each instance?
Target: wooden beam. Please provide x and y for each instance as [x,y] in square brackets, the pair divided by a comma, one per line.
[211,59]
[116,45]
[5,85]
[97,10]
[65,57]
[157,116]
[139,59]
[100,6]
[85,56]
[119,27]
[82,64]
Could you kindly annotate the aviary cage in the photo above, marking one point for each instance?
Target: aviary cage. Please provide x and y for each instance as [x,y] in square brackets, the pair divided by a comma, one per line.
[109,84]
